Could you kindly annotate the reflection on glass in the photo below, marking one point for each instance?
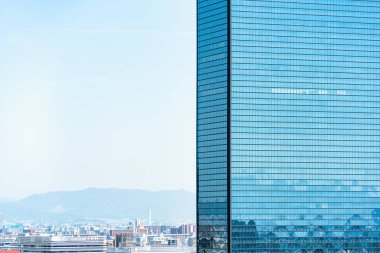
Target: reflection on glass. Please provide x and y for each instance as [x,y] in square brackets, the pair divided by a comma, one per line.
[288,146]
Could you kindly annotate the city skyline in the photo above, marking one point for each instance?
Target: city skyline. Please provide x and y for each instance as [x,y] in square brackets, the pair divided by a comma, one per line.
[113,112]
[125,237]
[77,107]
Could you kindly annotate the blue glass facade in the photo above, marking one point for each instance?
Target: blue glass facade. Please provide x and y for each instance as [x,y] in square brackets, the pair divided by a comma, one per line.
[212,128]
[288,126]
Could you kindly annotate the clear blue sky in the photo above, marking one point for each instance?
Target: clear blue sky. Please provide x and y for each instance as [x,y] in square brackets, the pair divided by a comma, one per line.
[96,94]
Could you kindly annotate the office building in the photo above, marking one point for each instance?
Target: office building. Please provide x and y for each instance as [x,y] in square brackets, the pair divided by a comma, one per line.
[288,126]
[125,238]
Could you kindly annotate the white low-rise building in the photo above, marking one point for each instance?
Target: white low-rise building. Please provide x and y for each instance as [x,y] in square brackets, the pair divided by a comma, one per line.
[48,243]
[8,243]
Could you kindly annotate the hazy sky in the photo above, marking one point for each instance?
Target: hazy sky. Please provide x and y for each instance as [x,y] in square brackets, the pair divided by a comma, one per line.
[96,93]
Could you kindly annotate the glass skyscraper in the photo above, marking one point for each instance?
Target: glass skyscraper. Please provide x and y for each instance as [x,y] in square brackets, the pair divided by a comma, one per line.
[288,126]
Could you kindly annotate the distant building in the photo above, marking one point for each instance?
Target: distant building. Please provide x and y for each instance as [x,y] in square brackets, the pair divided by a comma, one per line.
[123,238]
[118,250]
[187,229]
[7,244]
[28,230]
[141,240]
[47,243]
[142,230]
[175,231]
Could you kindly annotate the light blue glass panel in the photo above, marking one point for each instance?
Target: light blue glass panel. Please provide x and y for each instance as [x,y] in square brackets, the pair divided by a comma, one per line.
[305,126]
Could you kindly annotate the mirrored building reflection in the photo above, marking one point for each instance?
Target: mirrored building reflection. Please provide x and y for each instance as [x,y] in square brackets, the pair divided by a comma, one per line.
[288,126]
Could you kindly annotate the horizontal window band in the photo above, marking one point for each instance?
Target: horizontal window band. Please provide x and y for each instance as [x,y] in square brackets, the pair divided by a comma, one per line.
[311,2]
[239,77]
[239,12]
[297,105]
[255,86]
[237,37]
[333,8]
[234,96]
[245,66]
[297,71]
[241,49]
[291,149]
[298,8]
[304,53]
[298,112]
[293,22]
[271,56]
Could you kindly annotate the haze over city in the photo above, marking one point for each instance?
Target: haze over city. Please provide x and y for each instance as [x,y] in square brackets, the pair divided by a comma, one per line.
[90,91]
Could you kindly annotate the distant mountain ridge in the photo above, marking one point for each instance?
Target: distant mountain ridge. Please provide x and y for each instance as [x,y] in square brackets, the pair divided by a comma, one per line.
[101,205]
